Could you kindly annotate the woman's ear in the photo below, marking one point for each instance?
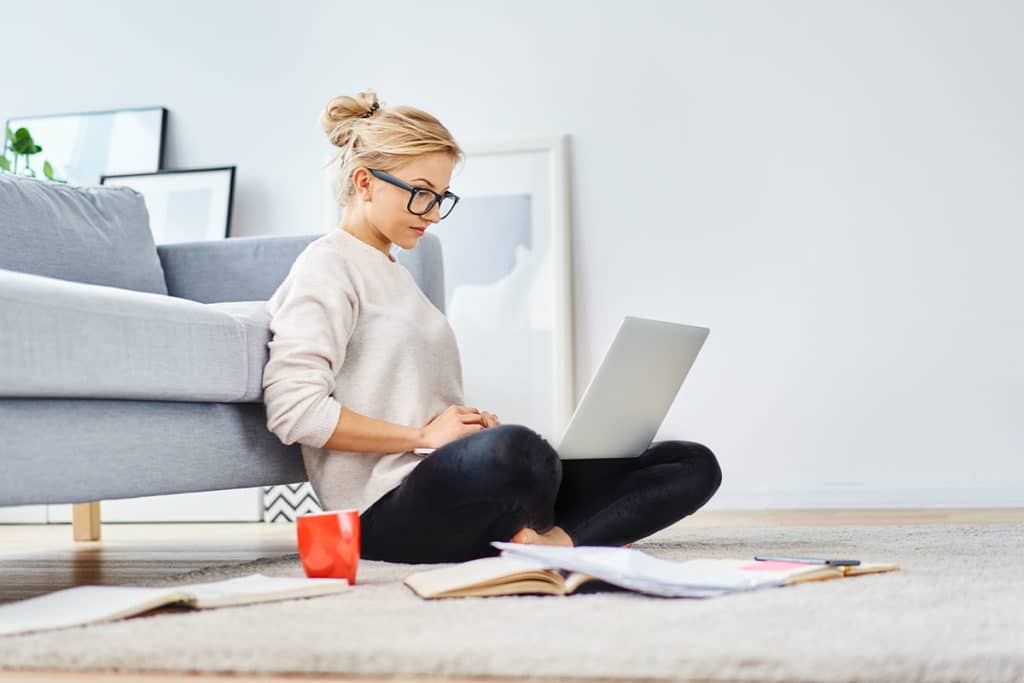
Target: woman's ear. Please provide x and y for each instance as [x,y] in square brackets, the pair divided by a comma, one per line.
[362,184]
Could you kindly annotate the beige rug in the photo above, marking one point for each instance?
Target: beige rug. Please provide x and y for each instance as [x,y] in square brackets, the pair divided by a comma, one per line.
[954,612]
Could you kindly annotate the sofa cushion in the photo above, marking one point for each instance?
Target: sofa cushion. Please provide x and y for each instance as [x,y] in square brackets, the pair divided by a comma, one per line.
[63,339]
[254,318]
[98,235]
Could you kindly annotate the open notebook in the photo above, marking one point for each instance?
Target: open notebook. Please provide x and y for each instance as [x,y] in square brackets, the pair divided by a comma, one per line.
[555,570]
[90,604]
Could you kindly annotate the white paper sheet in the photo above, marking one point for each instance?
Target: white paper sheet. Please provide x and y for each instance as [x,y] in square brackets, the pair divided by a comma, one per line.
[639,571]
[80,605]
[90,604]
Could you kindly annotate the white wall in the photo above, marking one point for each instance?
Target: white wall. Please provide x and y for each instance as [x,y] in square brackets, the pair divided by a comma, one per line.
[836,190]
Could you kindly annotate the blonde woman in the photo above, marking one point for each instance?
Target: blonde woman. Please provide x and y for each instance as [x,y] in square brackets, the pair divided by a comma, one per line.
[363,369]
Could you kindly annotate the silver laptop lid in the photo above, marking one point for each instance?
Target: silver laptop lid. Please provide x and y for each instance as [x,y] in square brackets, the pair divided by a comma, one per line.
[623,406]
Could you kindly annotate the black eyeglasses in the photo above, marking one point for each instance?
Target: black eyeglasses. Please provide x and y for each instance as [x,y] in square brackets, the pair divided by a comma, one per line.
[421,200]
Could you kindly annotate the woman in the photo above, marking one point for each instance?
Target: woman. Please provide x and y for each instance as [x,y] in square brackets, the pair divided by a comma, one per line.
[363,369]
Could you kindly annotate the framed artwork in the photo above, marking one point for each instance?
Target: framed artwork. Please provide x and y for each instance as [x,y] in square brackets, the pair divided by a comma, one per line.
[84,146]
[508,280]
[185,205]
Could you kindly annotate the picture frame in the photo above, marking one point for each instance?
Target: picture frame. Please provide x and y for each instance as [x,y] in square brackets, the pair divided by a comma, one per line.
[509,298]
[83,146]
[184,205]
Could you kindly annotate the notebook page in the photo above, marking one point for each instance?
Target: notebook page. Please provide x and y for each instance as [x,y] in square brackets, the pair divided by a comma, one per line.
[244,590]
[82,605]
[469,573]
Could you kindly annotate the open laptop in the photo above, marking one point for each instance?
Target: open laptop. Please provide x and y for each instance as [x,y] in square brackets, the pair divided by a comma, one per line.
[628,397]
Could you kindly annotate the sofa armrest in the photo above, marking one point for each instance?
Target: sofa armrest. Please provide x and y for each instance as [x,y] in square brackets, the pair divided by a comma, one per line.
[65,339]
[232,269]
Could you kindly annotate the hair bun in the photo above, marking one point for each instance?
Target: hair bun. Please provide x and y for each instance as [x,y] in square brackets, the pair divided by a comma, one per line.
[396,134]
[341,113]
[374,108]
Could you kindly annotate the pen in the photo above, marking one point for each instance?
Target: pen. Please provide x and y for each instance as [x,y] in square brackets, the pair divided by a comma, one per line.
[809,560]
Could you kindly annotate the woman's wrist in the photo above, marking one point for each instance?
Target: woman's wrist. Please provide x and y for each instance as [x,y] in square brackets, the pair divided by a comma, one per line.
[420,437]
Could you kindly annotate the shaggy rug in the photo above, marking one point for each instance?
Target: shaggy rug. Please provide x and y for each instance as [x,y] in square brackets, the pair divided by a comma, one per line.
[953,612]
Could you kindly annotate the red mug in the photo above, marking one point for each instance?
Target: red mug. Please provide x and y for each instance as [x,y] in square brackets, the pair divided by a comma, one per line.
[329,544]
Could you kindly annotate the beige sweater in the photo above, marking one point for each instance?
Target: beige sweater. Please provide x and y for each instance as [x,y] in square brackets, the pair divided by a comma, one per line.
[349,325]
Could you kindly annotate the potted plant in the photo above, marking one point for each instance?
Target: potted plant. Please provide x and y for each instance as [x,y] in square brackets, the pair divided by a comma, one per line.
[21,144]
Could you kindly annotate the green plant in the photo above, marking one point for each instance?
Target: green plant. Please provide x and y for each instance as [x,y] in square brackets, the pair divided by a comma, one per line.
[21,144]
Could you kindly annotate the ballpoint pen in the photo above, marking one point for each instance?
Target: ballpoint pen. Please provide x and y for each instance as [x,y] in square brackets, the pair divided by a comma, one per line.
[808,560]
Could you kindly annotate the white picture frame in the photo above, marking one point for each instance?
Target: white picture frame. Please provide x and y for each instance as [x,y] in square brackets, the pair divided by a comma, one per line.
[186,204]
[497,375]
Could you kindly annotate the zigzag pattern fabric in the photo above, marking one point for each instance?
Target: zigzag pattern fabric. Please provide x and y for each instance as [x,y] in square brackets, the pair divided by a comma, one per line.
[286,502]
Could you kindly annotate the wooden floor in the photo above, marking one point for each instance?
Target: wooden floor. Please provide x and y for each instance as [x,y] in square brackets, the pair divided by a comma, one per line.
[39,558]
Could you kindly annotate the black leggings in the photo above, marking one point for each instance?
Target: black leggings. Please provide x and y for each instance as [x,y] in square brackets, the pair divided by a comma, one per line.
[490,484]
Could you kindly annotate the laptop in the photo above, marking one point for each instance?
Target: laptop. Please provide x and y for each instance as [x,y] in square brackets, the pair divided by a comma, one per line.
[628,397]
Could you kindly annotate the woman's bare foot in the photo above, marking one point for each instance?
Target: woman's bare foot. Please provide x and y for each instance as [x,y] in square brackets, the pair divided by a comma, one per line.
[556,535]
[524,535]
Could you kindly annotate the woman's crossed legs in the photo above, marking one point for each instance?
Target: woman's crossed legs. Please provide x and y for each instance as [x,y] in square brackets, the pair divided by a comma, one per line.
[491,484]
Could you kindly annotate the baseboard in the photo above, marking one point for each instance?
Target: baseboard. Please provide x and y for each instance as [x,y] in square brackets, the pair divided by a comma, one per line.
[848,495]
[858,495]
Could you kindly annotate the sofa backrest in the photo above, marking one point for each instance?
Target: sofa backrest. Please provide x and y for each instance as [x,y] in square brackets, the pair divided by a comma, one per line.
[94,234]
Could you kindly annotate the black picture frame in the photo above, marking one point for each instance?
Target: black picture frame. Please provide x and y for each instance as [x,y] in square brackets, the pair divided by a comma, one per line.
[82,146]
[158,201]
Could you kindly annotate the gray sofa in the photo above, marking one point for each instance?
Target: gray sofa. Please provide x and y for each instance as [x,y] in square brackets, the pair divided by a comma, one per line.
[129,369]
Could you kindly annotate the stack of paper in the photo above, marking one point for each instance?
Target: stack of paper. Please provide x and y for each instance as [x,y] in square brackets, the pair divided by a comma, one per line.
[636,570]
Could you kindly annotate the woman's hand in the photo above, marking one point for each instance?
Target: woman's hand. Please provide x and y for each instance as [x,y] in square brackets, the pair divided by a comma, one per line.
[455,422]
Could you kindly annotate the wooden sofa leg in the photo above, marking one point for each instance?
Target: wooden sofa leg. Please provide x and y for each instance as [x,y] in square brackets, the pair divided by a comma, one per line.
[85,520]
